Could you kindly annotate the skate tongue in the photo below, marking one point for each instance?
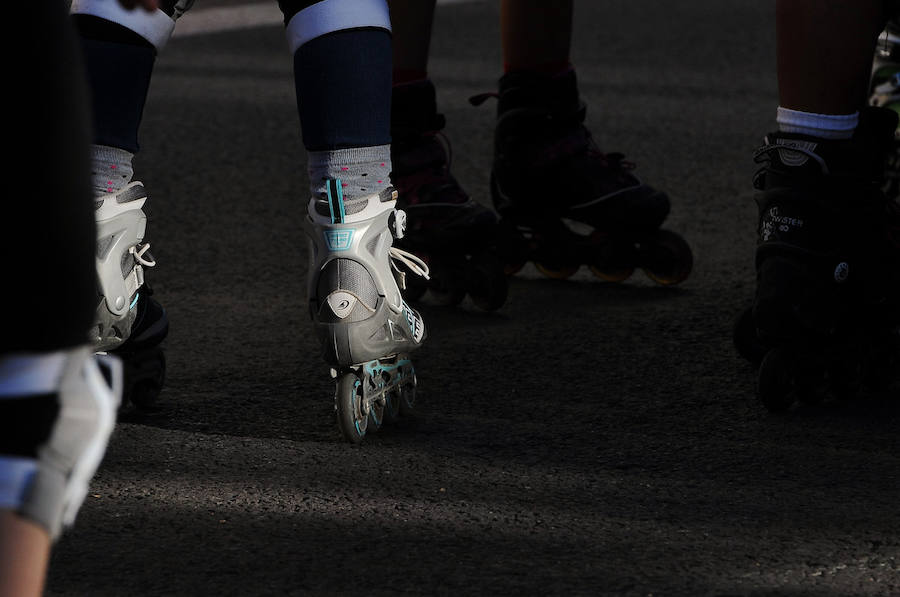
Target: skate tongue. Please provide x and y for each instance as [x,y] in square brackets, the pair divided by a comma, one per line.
[342,303]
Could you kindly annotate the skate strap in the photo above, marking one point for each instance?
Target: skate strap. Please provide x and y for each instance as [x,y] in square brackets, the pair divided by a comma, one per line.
[335,200]
[142,259]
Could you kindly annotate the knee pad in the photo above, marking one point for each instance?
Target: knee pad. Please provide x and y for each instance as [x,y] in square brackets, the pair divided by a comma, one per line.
[328,16]
[155,27]
[121,225]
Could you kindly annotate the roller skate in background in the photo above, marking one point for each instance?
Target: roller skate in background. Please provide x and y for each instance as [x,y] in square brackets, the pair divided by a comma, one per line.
[365,327]
[563,203]
[885,93]
[128,323]
[826,314]
[447,229]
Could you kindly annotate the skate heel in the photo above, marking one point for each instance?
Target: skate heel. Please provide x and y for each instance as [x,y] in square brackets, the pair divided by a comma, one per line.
[359,315]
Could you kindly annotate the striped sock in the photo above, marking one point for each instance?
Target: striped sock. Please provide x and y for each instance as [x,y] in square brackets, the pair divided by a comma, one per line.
[822,126]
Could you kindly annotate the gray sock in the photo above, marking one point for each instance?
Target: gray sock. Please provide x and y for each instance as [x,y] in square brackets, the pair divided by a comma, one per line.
[362,171]
[111,169]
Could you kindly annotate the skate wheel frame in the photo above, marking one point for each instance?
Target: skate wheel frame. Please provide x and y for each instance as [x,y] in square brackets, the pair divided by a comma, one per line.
[369,394]
[558,251]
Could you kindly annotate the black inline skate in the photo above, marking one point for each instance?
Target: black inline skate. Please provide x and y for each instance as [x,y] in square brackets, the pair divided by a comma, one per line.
[826,314]
[563,203]
[451,232]
[128,322]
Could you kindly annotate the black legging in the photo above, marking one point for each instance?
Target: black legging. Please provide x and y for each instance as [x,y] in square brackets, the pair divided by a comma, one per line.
[47,229]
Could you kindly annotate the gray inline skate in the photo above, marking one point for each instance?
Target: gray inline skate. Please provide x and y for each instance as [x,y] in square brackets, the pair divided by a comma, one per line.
[365,327]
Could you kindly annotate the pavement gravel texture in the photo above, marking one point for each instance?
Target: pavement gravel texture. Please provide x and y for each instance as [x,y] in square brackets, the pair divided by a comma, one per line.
[587,439]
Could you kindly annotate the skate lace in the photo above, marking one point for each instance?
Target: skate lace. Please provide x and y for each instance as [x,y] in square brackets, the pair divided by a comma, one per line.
[138,251]
[412,263]
[581,141]
[763,155]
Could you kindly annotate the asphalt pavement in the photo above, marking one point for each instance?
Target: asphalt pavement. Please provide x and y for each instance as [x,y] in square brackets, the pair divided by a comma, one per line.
[587,439]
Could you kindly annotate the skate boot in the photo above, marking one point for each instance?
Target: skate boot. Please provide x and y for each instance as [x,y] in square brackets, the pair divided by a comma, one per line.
[129,323]
[562,202]
[365,327]
[825,314]
[447,229]
[885,93]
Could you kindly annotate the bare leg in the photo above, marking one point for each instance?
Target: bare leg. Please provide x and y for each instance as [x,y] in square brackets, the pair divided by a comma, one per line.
[825,50]
[536,34]
[411,22]
[24,553]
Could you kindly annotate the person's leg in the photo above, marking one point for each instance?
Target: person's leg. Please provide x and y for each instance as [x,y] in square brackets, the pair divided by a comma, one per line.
[56,412]
[824,62]
[446,226]
[411,22]
[120,48]
[342,71]
[536,35]
[547,167]
[821,250]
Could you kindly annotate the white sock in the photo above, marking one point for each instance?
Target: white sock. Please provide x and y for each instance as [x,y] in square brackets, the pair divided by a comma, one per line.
[111,169]
[822,126]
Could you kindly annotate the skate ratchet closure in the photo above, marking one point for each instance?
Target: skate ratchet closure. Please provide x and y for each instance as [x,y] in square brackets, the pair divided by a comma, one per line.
[371,394]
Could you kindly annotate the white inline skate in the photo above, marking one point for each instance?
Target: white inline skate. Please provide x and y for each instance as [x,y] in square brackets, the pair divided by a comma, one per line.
[128,322]
[365,327]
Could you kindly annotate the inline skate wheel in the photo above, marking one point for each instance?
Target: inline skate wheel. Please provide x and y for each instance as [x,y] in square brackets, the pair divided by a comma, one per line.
[847,379]
[776,382]
[392,406]
[557,271]
[746,341]
[811,382]
[668,258]
[144,375]
[611,260]
[884,366]
[408,395]
[348,405]
[487,285]
[610,274]
[511,268]
[376,414]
